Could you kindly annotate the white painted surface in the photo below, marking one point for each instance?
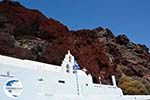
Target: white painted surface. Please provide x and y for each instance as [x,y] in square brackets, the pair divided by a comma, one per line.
[49,82]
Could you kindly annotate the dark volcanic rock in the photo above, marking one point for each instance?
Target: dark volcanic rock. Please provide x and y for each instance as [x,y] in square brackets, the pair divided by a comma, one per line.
[122,39]
[6,40]
[28,34]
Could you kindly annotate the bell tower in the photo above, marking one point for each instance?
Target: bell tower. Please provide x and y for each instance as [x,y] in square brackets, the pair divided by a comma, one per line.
[68,63]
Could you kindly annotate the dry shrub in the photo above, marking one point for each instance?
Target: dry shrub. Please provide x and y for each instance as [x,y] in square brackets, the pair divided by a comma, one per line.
[131,86]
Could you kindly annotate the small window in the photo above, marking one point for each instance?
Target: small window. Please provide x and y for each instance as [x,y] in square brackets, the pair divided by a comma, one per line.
[74,71]
[69,58]
[40,79]
[61,81]
[86,84]
[67,68]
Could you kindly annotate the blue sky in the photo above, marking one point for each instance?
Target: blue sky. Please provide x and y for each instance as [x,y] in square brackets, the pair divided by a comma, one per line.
[130,17]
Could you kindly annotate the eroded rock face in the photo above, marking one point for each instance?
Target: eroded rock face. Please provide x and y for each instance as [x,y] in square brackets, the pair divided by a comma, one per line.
[122,39]
[28,34]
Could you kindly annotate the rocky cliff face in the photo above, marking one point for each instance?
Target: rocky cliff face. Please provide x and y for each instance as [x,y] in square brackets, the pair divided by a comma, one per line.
[28,34]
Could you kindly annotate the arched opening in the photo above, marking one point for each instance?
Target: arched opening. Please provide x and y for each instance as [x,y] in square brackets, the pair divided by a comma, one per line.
[67,68]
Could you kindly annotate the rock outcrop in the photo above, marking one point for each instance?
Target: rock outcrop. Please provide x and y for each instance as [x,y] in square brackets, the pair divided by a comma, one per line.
[28,34]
